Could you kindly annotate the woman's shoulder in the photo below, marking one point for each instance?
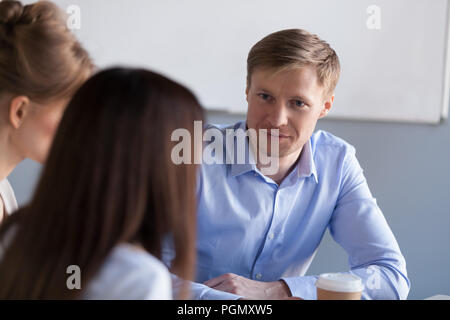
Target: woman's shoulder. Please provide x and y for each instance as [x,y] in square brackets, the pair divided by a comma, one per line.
[130,273]
[7,194]
[134,258]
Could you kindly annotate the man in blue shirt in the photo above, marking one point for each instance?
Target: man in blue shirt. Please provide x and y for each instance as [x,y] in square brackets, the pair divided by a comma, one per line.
[258,234]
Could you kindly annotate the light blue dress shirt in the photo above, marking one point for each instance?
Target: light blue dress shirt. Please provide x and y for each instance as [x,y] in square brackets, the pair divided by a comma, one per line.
[250,226]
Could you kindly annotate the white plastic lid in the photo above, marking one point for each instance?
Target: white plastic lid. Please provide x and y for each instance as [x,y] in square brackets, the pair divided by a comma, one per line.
[340,282]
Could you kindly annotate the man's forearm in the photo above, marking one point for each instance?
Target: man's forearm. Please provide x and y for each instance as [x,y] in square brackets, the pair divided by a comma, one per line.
[380,282]
[248,288]
[200,291]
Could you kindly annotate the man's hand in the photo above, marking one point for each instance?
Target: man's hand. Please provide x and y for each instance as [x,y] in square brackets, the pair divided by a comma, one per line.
[250,289]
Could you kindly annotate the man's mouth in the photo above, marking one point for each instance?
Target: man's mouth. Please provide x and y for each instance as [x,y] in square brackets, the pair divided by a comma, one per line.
[277,134]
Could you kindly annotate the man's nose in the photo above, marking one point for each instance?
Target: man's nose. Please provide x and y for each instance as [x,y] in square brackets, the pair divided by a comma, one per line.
[278,116]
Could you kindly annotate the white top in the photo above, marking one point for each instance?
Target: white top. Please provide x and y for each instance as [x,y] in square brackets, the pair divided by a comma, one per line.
[130,274]
[9,199]
[127,273]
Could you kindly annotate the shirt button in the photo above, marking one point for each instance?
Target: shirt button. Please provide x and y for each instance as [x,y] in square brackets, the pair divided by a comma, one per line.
[271,236]
[258,276]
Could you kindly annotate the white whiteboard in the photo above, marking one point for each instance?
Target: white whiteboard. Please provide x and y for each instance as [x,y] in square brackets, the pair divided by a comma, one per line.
[396,73]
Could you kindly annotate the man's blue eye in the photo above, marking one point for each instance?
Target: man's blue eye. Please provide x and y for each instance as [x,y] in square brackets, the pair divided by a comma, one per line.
[299,103]
[264,96]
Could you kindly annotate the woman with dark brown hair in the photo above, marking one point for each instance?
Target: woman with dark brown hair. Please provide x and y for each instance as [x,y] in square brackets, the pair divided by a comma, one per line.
[109,196]
[41,67]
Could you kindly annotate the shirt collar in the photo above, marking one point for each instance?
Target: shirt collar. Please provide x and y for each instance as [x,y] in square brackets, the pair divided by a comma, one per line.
[305,167]
[237,169]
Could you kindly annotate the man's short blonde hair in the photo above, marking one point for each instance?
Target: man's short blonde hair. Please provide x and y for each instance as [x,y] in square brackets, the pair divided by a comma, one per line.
[294,48]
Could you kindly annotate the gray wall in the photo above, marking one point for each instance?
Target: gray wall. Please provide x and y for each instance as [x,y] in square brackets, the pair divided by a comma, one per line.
[408,169]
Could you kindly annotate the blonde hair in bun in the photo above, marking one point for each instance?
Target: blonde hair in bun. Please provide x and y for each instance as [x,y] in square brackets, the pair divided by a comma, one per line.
[39,56]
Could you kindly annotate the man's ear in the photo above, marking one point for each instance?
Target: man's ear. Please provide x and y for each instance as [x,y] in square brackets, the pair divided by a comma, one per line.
[18,110]
[326,107]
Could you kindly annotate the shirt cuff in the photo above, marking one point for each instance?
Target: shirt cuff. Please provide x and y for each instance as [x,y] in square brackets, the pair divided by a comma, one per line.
[302,287]
[213,294]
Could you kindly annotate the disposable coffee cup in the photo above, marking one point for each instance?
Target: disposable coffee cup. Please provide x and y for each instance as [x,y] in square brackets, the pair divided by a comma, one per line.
[339,286]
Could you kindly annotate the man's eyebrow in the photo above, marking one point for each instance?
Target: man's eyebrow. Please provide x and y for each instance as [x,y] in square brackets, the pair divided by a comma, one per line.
[265,90]
[297,96]
[302,98]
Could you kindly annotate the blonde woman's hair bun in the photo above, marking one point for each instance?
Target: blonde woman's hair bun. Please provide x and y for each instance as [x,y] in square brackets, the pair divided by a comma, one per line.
[10,12]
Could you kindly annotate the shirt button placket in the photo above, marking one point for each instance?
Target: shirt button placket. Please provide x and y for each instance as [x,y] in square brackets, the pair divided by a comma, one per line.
[270,236]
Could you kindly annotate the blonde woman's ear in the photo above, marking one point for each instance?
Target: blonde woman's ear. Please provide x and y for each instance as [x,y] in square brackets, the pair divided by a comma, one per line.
[18,110]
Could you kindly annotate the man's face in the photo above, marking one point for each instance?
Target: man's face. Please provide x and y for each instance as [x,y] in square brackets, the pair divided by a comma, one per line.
[291,101]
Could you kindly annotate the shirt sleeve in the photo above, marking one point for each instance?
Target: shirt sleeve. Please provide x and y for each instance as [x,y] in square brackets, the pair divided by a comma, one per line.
[200,291]
[358,225]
